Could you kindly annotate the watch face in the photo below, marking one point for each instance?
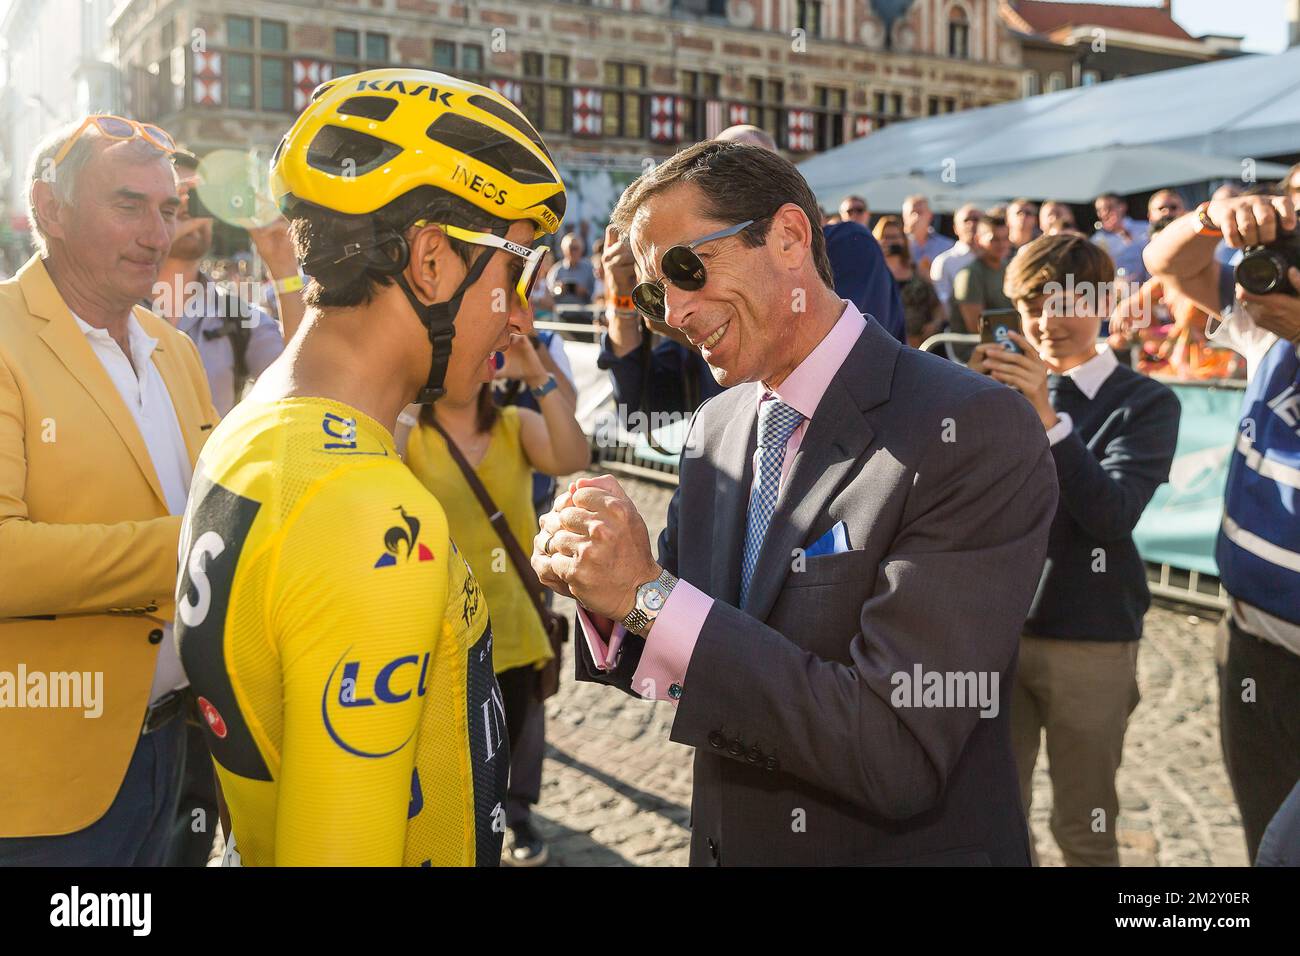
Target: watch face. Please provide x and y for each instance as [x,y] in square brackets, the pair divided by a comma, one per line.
[653,599]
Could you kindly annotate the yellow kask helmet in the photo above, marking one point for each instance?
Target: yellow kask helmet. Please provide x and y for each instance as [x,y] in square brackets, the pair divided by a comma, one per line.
[369,143]
[369,138]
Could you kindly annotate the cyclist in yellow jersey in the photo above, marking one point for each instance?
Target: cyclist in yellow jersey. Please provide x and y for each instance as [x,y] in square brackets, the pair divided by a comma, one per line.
[338,644]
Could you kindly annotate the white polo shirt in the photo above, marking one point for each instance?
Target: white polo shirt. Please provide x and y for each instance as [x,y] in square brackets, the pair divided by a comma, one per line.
[145,394]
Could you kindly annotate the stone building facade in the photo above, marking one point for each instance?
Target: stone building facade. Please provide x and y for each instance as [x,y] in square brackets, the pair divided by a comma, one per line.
[612,84]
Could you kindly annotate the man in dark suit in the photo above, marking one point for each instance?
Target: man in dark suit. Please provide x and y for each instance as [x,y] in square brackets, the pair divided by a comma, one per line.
[848,560]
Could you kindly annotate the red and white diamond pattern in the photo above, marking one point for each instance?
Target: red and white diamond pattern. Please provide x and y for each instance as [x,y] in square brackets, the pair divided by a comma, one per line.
[800,131]
[739,114]
[510,89]
[862,125]
[586,111]
[665,121]
[307,75]
[206,72]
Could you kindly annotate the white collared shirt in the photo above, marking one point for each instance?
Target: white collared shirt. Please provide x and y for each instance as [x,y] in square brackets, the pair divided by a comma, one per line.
[1090,376]
[145,393]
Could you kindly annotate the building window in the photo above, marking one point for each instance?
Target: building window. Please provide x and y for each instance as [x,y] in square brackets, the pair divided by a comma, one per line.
[897,100]
[239,32]
[766,100]
[347,44]
[471,58]
[275,84]
[377,49]
[880,104]
[544,90]
[1055,82]
[958,36]
[239,81]
[621,100]
[829,131]
[949,105]
[275,35]
[1030,84]
[809,14]
[932,107]
[697,89]
[444,55]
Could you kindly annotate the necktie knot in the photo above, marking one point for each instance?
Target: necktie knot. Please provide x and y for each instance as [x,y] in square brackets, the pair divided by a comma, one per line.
[776,423]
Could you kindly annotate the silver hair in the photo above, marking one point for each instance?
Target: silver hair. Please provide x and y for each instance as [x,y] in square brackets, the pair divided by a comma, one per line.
[63,181]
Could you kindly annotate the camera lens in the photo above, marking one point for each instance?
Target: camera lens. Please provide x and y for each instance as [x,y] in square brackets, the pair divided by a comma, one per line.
[1260,271]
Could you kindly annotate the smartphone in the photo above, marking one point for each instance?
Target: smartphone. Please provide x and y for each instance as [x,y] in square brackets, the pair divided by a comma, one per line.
[996,323]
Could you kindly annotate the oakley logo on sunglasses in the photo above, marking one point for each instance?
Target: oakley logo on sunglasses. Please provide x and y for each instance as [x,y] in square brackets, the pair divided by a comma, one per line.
[476,183]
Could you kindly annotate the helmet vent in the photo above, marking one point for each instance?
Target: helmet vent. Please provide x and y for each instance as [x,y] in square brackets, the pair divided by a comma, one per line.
[369,107]
[489,147]
[348,152]
[507,115]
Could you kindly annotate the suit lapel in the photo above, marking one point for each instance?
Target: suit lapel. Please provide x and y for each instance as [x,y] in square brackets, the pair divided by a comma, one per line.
[830,448]
[65,338]
[836,438]
[732,478]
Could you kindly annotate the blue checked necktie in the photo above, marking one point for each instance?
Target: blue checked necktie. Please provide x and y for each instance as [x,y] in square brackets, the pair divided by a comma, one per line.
[776,423]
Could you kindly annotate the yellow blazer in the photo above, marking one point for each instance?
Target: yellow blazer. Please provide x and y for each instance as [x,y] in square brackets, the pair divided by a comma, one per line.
[87,553]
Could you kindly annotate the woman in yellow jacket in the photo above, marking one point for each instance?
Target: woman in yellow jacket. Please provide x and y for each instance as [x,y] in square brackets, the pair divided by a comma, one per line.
[504,445]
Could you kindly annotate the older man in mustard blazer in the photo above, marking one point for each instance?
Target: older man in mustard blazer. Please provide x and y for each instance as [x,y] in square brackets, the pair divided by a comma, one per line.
[103,411]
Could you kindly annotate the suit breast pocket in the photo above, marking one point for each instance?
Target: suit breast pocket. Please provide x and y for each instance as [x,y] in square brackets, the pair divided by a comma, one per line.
[824,570]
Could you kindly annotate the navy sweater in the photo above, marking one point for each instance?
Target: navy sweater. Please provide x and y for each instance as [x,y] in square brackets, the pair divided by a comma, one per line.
[1094,585]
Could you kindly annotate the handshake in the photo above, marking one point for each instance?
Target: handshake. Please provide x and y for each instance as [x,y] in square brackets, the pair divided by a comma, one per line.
[593,546]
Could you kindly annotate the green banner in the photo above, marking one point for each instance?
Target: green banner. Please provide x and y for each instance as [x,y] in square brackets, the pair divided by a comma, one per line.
[1181,523]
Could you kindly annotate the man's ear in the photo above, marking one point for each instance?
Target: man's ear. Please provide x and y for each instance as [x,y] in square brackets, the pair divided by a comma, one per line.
[434,269]
[792,233]
[48,210]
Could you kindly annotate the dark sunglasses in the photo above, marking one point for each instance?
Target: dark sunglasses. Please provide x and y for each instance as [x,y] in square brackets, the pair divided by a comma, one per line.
[854,210]
[683,268]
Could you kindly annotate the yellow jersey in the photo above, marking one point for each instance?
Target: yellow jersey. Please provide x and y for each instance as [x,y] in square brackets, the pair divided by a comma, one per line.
[519,639]
[339,648]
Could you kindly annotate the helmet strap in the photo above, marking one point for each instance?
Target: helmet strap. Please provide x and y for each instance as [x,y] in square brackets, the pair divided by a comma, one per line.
[439,320]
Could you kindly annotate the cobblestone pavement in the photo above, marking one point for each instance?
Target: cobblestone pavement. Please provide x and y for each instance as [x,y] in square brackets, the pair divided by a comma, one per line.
[617,792]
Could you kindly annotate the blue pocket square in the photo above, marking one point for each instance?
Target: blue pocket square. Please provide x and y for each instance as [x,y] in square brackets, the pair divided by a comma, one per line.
[834,541]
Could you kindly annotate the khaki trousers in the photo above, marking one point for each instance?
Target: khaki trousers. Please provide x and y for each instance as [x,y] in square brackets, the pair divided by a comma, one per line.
[1081,693]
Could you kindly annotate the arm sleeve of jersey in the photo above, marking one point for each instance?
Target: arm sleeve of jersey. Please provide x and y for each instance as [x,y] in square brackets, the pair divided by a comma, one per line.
[357,614]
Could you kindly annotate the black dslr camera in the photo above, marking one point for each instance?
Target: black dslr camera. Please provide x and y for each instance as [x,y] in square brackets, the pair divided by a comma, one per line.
[1263,269]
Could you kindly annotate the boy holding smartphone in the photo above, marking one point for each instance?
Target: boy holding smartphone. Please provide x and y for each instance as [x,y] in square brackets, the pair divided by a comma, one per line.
[1112,433]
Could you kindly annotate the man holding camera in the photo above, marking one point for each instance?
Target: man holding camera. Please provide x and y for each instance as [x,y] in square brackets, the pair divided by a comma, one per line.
[572,280]
[1258,550]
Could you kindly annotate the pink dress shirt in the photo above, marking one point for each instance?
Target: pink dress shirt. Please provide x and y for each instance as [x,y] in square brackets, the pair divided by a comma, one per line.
[661,674]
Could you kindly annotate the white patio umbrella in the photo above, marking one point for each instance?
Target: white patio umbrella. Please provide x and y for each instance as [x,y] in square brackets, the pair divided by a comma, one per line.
[885,194]
[1081,177]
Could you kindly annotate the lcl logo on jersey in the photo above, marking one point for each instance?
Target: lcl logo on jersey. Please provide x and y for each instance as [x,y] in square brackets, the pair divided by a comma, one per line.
[394,683]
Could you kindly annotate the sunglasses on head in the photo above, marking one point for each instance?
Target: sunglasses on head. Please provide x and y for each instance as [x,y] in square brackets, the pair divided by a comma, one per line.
[119,128]
[683,268]
[533,258]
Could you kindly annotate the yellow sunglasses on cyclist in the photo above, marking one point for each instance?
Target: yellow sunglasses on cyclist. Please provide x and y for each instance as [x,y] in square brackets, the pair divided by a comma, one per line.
[532,257]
